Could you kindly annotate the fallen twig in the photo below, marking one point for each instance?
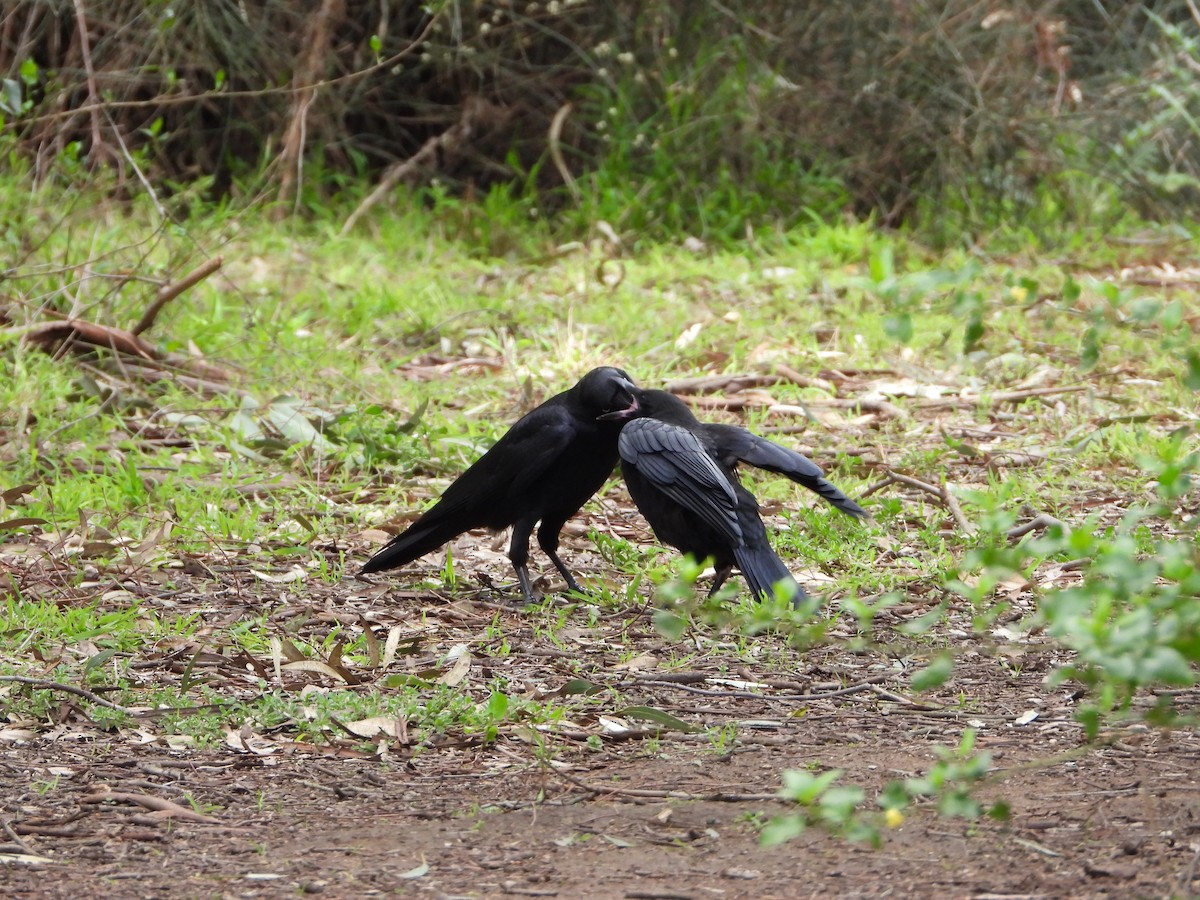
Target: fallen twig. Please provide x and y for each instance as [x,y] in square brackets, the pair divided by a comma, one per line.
[959,402]
[116,339]
[880,407]
[173,289]
[885,694]
[951,502]
[741,401]
[14,837]
[1038,523]
[710,383]
[166,809]
[556,154]
[877,486]
[211,386]
[804,380]
[942,493]
[44,685]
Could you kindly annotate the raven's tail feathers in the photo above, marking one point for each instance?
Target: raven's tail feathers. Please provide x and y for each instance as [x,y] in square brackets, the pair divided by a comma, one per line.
[763,570]
[423,536]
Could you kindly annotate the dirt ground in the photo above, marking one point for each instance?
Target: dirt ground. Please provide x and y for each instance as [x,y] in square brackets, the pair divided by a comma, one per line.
[637,813]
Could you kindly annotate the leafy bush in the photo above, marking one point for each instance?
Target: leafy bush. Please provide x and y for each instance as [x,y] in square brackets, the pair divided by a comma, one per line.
[712,120]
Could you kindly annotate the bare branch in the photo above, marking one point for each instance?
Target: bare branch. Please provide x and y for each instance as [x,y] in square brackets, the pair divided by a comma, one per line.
[173,289]
[43,685]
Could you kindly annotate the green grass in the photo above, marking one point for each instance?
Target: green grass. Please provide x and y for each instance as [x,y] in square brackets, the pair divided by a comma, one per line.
[344,421]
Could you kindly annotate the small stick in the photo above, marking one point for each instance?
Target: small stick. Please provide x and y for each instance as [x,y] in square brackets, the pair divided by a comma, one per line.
[999,397]
[1018,396]
[942,493]
[8,829]
[475,112]
[877,486]
[803,380]
[915,482]
[732,383]
[115,339]
[67,688]
[157,804]
[556,154]
[881,407]
[173,289]
[1038,523]
[955,510]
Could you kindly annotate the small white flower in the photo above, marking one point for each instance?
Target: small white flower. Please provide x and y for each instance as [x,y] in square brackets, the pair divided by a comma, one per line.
[625,58]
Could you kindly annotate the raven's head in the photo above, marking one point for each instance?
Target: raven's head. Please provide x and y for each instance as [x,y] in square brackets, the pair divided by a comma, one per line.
[608,394]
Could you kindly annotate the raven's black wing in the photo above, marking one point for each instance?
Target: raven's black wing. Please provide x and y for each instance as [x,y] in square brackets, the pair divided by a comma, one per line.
[678,464]
[735,445]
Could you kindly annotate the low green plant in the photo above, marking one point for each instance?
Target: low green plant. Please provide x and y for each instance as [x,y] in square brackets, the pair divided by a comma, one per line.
[822,803]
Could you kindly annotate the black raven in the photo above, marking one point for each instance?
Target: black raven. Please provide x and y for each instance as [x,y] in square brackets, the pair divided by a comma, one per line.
[681,473]
[543,469]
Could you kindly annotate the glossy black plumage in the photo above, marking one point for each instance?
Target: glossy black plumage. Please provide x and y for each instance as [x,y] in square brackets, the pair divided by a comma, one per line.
[681,473]
[543,469]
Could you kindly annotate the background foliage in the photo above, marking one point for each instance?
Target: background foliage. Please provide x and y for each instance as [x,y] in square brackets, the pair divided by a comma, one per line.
[711,118]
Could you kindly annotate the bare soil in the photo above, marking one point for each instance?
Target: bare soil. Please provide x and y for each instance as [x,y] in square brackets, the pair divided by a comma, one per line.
[634,813]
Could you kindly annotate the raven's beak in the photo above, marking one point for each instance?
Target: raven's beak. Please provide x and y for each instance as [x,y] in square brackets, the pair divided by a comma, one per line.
[620,415]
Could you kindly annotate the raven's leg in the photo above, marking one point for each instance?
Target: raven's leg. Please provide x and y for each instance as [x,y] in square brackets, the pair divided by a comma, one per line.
[548,540]
[518,553]
[719,578]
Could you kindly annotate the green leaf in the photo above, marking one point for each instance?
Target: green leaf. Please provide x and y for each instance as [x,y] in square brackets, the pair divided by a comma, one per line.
[497,705]
[1089,353]
[841,801]
[922,623]
[98,660]
[401,679]
[658,717]
[933,675]
[782,829]
[579,686]
[899,327]
[894,796]
[973,333]
[959,804]
[1191,378]
[1166,665]
[883,264]
[669,624]
[804,787]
